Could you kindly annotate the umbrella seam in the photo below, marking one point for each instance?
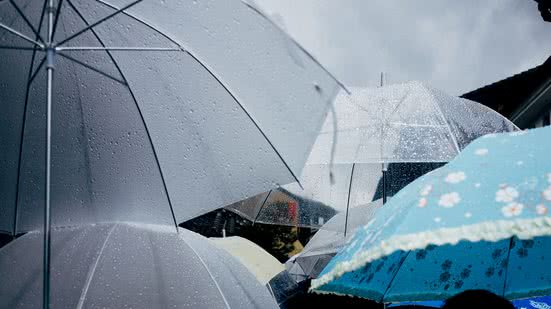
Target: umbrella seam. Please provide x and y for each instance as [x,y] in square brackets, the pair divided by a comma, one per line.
[208,271]
[92,270]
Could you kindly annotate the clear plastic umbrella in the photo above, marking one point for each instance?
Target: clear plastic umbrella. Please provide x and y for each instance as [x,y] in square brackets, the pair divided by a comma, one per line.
[147,111]
[127,266]
[330,238]
[384,138]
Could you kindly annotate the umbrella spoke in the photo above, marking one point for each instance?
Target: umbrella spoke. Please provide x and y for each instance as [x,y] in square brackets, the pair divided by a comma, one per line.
[17,47]
[91,26]
[93,68]
[21,35]
[20,12]
[117,48]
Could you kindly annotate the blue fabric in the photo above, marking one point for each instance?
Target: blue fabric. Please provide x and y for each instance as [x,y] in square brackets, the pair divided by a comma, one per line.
[543,302]
[498,178]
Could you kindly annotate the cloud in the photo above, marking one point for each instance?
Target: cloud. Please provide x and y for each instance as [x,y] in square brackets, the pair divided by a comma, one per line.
[456,46]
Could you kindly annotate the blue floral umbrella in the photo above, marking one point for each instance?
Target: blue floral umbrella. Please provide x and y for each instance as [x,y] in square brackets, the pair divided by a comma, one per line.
[480,222]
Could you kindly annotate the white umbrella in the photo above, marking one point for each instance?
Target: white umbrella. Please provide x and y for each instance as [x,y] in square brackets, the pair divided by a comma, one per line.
[127,265]
[261,263]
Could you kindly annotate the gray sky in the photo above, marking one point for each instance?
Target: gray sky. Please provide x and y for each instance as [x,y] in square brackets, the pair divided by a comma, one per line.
[454,45]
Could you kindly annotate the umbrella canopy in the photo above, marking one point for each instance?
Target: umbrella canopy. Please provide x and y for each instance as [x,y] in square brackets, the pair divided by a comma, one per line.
[267,269]
[127,265]
[480,222]
[330,238]
[160,110]
[410,127]
[262,264]
[409,122]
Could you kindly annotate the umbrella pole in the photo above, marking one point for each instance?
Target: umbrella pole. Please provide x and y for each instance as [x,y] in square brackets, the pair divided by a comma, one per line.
[50,54]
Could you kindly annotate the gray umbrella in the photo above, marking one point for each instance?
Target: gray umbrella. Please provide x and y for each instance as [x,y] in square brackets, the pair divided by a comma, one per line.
[127,265]
[147,110]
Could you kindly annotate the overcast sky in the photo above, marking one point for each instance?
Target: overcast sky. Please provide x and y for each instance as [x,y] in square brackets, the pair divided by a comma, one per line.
[454,45]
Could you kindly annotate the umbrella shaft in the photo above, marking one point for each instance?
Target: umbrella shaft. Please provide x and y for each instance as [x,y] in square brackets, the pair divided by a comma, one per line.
[47,219]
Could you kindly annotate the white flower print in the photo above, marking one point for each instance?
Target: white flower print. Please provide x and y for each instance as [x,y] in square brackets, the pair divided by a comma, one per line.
[449,200]
[520,162]
[506,194]
[422,202]
[455,177]
[481,152]
[541,209]
[547,193]
[426,190]
[512,209]
[477,185]
[468,215]
[549,177]
[437,219]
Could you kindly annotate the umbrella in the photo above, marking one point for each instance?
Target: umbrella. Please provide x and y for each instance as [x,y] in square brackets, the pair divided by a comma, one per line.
[267,269]
[330,238]
[480,222]
[117,265]
[411,128]
[261,263]
[147,111]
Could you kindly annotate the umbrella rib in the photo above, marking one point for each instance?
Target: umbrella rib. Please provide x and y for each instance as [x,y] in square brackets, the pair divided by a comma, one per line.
[116,48]
[262,206]
[139,112]
[348,200]
[30,78]
[254,9]
[393,277]
[17,47]
[21,35]
[208,271]
[454,140]
[211,72]
[92,270]
[102,20]
[93,69]
[58,10]
[35,73]
[20,12]
[506,269]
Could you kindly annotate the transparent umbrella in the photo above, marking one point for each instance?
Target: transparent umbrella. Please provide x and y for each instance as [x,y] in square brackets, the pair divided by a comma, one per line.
[126,265]
[147,111]
[384,138]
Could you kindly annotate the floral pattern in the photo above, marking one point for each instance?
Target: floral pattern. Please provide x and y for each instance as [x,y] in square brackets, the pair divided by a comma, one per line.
[481,152]
[541,209]
[455,177]
[512,209]
[506,194]
[449,200]
[547,193]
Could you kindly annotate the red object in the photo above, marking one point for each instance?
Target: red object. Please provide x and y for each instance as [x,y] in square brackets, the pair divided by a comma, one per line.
[292,211]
